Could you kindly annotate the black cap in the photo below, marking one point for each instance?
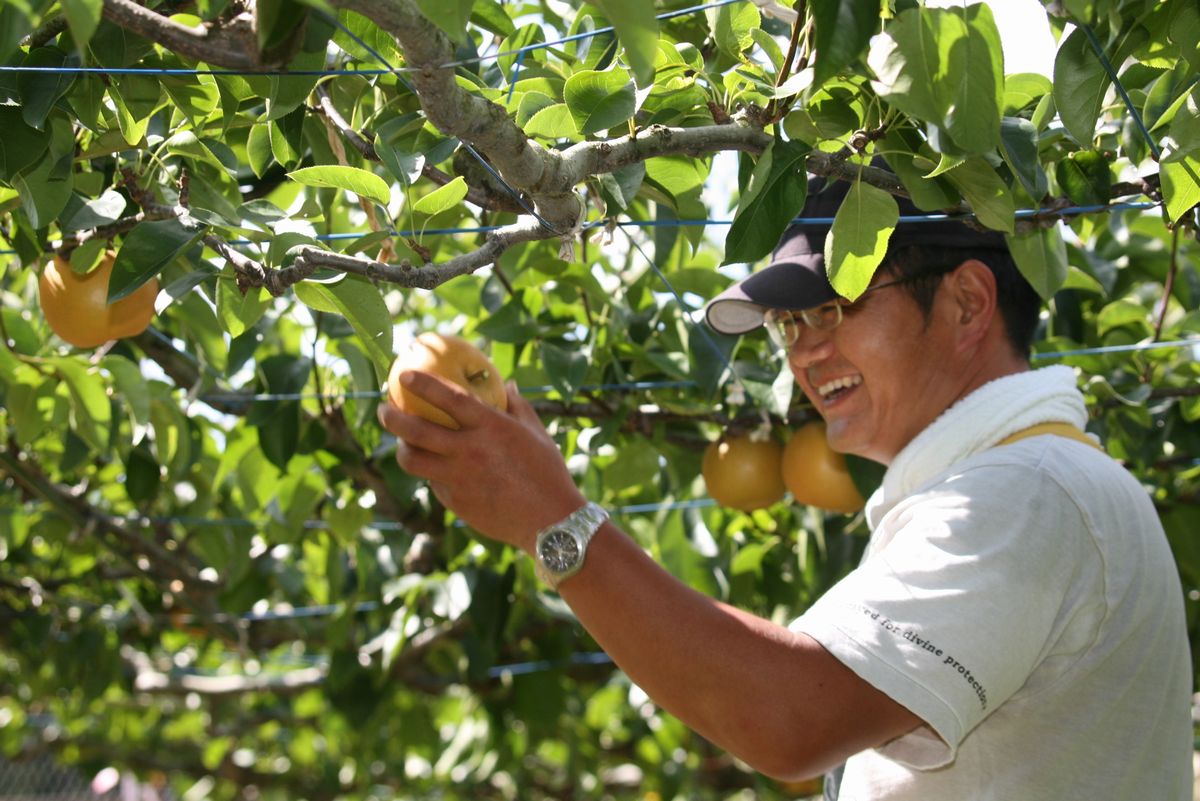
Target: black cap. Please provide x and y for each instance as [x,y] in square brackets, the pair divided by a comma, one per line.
[796,277]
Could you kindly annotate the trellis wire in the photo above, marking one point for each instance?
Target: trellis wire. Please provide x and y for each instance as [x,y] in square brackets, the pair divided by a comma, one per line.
[378,525]
[635,386]
[386,70]
[1112,75]
[587,657]
[1068,211]
[521,51]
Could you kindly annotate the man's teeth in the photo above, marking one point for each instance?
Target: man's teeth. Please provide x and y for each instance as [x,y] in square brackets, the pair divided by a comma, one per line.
[830,387]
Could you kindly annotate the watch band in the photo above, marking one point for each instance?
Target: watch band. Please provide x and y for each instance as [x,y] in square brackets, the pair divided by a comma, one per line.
[560,548]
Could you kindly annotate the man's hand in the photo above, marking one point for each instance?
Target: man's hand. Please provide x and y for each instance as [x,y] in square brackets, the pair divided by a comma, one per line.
[500,472]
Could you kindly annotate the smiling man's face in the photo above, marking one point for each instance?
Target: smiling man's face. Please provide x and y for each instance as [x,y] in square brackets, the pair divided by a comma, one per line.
[881,376]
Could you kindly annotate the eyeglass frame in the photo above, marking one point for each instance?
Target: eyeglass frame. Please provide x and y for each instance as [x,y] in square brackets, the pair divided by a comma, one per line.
[781,325]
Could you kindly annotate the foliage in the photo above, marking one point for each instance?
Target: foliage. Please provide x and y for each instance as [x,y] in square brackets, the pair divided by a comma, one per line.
[212,570]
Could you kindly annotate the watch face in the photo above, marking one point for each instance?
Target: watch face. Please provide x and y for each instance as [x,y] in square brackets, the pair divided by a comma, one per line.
[559,551]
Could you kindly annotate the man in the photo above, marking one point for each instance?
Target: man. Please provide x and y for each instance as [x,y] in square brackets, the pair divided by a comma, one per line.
[1015,630]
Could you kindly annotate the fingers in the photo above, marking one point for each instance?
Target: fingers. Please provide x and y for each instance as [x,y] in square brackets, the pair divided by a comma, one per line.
[465,408]
[413,430]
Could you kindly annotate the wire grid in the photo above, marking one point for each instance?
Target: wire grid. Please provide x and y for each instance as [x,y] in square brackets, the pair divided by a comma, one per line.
[42,779]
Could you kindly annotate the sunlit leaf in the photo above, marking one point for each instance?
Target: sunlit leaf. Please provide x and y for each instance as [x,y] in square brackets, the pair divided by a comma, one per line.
[352,179]
[776,193]
[599,100]
[1080,84]
[858,240]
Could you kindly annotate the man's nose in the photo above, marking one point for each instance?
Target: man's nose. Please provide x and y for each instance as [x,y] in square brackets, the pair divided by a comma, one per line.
[811,347]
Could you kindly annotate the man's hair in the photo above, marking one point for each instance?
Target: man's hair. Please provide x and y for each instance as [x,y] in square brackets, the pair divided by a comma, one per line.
[1019,304]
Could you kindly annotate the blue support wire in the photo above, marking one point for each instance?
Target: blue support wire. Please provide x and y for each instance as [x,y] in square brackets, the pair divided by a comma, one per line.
[1112,75]
[593,224]
[387,70]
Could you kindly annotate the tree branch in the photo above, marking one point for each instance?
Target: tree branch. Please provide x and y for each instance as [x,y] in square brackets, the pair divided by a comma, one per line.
[293,681]
[430,275]
[457,112]
[233,45]
[364,144]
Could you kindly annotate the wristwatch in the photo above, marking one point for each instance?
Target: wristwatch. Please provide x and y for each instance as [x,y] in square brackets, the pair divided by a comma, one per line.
[561,547]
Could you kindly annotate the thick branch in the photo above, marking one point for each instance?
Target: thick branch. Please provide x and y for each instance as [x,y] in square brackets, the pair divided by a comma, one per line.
[232,45]
[457,112]
[150,681]
[429,275]
[363,143]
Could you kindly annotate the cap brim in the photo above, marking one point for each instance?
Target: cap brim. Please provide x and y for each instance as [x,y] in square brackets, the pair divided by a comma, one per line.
[791,285]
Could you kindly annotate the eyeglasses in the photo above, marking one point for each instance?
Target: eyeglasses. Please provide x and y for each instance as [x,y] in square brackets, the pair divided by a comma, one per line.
[783,325]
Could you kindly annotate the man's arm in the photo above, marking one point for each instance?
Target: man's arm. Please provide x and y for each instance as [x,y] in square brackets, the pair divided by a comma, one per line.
[772,697]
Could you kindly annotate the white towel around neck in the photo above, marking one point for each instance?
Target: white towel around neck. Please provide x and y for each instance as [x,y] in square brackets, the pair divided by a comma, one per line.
[998,409]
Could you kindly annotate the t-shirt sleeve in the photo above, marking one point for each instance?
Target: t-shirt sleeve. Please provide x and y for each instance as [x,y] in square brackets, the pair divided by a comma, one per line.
[954,608]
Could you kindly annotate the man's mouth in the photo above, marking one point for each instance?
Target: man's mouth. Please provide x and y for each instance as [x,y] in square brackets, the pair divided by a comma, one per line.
[830,391]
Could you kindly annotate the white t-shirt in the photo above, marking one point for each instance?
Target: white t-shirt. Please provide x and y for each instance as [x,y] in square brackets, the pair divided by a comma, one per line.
[1023,602]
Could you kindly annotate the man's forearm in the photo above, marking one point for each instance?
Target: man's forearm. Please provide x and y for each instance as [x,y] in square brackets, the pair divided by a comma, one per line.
[767,695]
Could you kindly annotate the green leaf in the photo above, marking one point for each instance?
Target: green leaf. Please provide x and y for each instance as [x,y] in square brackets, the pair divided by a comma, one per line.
[566,367]
[946,70]
[986,192]
[1080,84]
[976,73]
[41,90]
[1022,89]
[599,100]
[449,15]
[287,138]
[637,31]
[1185,126]
[1120,313]
[678,176]
[404,166]
[1184,31]
[858,240]
[907,64]
[733,28]
[238,310]
[83,17]
[842,28]
[362,305]
[1180,185]
[553,122]
[91,412]
[1019,148]
[131,389]
[81,214]
[774,196]
[275,22]
[197,97]
[1041,256]
[21,145]
[927,194]
[443,198]
[352,179]
[136,98]
[146,250]
[46,189]
[288,92]
[143,475]
[489,15]
[749,557]
[14,25]
[619,188]
[1085,177]
[258,149]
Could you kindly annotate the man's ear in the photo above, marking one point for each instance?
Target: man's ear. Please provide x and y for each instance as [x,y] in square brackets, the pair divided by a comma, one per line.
[972,294]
